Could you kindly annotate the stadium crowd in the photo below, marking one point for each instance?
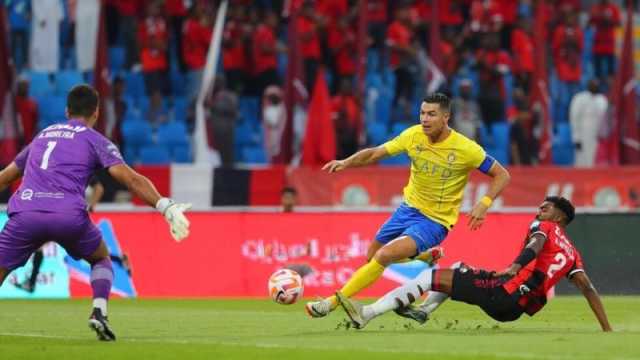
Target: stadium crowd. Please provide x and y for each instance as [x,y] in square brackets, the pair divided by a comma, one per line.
[158,50]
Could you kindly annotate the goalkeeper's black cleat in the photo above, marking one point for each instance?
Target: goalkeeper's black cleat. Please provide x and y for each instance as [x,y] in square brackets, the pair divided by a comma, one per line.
[100,324]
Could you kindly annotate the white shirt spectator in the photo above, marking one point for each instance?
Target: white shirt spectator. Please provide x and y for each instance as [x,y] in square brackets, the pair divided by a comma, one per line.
[586,113]
[87,21]
[45,35]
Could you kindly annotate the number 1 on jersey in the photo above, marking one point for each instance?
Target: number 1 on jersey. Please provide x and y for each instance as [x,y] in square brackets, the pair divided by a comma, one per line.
[47,153]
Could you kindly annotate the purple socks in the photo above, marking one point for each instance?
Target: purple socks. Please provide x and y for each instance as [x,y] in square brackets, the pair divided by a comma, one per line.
[101,280]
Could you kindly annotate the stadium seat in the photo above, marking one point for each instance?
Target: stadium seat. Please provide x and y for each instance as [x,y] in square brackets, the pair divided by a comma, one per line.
[373,60]
[181,154]
[137,133]
[562,150]
[249,109]
[135,84]
[374,80]
[65,80]
[377,133]
[499,143]
[154,155]
[500,133]
[178,83]
[172,134]
[39,84]
[254,155]
[130,154]
[397,128]
[180,109]
[242,133]
[383,108]
[52,109]
[117,58]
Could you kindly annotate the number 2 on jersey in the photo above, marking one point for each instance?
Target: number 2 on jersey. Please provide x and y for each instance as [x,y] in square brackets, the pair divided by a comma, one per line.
[47,153]
[561,261]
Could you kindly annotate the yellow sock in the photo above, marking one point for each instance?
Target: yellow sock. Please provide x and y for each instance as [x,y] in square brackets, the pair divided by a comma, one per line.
[362,278]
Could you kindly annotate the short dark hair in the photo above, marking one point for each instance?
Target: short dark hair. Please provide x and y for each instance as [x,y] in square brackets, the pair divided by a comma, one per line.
[564,205]
[289,190]
[439,98]
[82,101]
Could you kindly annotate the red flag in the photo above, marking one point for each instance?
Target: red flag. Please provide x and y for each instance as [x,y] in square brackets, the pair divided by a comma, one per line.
[101,79]
[8,120]
[540,100]
[625,98]
[320,134]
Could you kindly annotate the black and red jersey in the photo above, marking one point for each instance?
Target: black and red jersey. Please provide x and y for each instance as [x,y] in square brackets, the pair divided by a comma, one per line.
[558,258]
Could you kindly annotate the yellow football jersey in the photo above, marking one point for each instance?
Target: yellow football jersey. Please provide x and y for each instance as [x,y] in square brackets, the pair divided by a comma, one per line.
[439,172]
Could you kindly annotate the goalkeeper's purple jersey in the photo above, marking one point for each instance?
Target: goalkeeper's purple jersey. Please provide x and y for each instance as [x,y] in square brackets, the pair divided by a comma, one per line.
[58,165]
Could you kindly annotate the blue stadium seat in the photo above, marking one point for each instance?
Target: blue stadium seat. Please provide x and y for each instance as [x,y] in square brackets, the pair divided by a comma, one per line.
[377,133]
[374,80]
[242,133]
[180,108]
[173,134]
[117,58]
[397,128]
[137,133]
[373,60]
[254,155]
[563,134]
[182,154]
[51,109]
[383,108]
[39,84]
[135,84]
[249,109]
[65,80]
[155,155]
[143,105]
[130,154]
[500,133]
[178,83]
[499,141]
[562,150]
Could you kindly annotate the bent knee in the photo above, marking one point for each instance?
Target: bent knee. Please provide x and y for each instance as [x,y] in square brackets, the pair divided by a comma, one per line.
[385,256]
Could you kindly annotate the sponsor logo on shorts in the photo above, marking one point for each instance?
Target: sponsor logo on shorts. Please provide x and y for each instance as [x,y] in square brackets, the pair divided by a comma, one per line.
[27,194]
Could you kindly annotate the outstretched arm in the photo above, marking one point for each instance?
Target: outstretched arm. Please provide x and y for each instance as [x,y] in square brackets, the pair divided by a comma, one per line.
[8,175]
[361,158]
[136,183]
[500,179]
[530,252]
[144,189]
[582,282]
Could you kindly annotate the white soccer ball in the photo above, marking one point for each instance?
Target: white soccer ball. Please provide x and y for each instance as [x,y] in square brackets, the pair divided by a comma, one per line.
[285,286]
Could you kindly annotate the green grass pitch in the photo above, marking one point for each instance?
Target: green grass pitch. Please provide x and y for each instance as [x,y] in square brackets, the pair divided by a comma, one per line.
[261,329]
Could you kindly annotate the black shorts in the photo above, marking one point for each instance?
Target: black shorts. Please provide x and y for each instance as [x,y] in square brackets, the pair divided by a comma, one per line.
[479,287]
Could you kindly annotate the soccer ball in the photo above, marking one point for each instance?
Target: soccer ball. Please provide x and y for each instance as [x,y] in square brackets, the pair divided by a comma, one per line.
[285,286]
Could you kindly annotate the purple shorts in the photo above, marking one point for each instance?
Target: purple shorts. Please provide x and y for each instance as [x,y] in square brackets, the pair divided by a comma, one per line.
[25,232]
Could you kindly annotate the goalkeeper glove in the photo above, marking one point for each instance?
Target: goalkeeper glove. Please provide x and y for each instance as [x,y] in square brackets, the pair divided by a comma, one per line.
[174,214]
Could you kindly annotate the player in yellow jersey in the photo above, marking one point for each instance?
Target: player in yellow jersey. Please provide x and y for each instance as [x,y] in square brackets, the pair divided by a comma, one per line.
[441,161]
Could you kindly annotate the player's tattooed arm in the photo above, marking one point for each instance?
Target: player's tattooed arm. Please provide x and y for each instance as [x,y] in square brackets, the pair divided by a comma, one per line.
[530,252]
[582,282]
[361,158]
[8,175]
